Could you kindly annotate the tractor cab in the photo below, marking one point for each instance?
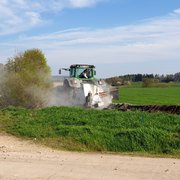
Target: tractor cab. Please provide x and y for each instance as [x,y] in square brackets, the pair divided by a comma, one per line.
[81,71]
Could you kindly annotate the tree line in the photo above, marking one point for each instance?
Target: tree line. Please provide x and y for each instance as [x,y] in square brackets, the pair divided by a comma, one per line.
[161,78]
[148,80]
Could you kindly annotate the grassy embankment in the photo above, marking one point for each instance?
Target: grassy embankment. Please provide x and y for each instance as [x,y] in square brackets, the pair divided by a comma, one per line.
[162,94]
[96,130]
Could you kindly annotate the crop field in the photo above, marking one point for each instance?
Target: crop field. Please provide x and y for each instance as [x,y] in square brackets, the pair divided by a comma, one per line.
[96,130]
[155,95]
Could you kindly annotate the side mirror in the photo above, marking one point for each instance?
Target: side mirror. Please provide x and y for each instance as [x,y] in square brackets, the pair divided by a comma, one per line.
[94,72]
[59,71]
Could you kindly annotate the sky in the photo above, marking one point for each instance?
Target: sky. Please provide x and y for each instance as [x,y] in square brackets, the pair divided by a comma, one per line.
[117,36]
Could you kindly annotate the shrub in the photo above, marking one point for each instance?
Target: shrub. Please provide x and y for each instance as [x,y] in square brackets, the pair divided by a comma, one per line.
[26,80]
[149,82]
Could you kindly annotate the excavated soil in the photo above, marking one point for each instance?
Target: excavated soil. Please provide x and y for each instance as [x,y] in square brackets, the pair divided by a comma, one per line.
[173,109]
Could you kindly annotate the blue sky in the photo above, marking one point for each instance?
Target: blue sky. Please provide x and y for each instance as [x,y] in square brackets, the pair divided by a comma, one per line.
[117,36]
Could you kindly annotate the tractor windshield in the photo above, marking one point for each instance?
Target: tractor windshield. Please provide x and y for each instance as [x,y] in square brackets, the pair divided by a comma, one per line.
[84,73]
[81,72]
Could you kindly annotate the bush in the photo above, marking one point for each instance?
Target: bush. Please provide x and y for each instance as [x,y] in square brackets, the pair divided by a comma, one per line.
[114,81]
[26,80]
[149,82]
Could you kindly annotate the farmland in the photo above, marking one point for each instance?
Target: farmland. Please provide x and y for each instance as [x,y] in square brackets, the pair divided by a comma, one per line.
[164,94]
[96,130]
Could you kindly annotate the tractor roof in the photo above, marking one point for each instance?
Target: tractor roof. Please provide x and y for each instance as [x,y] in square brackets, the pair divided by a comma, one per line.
[82,65]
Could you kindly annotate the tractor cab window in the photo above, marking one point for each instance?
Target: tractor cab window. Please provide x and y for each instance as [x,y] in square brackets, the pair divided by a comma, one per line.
[72,72]
[85,73]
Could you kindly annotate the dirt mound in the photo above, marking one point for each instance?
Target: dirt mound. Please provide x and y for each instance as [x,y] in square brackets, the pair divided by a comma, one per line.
[173,109]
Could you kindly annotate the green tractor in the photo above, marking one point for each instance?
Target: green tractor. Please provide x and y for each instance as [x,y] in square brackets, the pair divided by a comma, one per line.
[83,89]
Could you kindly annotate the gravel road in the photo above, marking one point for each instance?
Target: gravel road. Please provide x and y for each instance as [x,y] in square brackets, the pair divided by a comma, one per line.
[20,159]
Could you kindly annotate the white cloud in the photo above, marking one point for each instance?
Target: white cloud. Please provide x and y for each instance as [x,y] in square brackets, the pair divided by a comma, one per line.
[20,15]
[154,31]
[83,3]
[146,41]
[177,11]
[34,17]
[16,16]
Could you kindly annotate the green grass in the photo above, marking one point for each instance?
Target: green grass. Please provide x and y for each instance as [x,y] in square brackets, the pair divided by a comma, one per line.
[96,130]
[161,96]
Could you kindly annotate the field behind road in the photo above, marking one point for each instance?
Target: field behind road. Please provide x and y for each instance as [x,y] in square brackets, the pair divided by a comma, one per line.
[164,94]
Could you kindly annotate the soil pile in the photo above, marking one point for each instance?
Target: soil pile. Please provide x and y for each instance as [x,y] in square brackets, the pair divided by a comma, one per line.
[173,109]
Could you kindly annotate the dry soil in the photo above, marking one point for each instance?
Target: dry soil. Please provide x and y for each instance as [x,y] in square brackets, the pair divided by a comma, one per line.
[20,159]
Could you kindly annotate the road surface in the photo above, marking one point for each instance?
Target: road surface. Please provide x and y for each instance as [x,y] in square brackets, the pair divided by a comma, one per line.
[20,159]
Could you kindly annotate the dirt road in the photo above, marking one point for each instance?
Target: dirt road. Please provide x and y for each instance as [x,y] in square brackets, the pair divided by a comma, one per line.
[21,159]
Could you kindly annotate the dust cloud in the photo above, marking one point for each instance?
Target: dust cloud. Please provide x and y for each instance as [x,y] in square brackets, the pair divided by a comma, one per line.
[60,96]
[15,90]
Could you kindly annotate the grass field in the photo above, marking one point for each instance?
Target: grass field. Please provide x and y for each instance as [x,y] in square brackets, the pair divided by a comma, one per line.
[96,130]
[156,85]
[163,94]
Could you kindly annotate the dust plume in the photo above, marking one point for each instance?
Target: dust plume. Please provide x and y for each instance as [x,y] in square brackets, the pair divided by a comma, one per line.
[24,90]
[60,96]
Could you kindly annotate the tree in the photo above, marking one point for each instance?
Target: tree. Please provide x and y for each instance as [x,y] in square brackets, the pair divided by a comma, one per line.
[138,77]
[177,77]
[1,67]
[168,78]
[26,81]
[149,82]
